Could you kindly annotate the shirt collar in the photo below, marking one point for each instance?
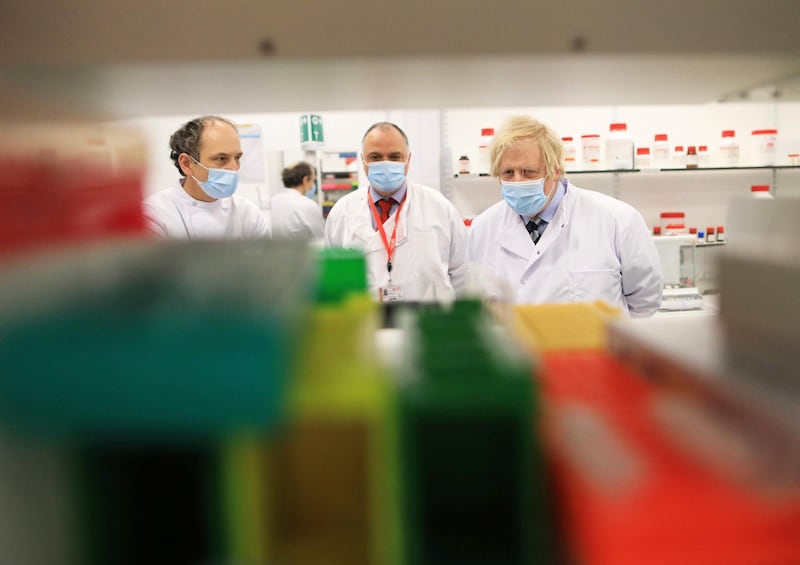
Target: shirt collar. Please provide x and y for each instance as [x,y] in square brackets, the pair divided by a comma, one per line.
[397,196]
[187,199]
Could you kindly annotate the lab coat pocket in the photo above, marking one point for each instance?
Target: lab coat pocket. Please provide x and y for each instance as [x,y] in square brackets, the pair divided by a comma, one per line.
[595,284]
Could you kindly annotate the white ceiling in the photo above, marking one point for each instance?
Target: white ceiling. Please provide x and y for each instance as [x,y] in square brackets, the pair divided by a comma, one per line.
[128,58]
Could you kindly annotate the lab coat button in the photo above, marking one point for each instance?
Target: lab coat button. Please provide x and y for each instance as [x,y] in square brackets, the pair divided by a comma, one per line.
[523,281]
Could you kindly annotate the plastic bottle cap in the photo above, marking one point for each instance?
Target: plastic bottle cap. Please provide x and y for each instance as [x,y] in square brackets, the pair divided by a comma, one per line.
[703,148]
[701,234]
[566,139]
[621,126]
[691,149]
[759,188]
[341,272]
[692,230]
[643,151]
[679,148]
[728,133]
[710,230]
[656,230]
[720,229]
[673,215]
[661,137]
[590,135]
[765,131]
[487,131]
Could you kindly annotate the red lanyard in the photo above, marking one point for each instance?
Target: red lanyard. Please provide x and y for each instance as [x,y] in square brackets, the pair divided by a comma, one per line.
[388,244]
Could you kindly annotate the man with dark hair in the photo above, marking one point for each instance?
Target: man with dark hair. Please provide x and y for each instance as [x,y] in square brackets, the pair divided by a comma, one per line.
[293,213]
[413,237]
[206,151]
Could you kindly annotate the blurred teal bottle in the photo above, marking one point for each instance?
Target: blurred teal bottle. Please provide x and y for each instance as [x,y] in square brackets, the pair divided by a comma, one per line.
[150,339]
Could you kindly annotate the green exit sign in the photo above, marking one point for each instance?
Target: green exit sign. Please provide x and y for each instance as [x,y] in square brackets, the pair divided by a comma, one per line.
[312,135]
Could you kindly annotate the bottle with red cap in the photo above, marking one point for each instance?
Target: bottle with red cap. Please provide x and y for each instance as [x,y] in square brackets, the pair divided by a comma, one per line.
[619,147]
[703,157]
[691,157]
[761,191]
[673,223]
[483,151]
[661,151]
[590,151]
[764,146]
[643,160]
[729,149]
[679,157]
[570,152]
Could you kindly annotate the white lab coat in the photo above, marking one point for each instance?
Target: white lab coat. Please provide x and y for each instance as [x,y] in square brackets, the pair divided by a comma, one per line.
[173,213]
[294,215]
[595,248]
[430,258]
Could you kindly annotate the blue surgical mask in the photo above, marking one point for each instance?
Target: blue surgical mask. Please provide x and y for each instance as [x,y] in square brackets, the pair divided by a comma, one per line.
[221,183]
[526,198]
[387,176]
[312,192]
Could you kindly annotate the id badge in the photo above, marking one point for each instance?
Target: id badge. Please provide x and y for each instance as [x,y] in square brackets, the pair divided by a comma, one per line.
[390,293]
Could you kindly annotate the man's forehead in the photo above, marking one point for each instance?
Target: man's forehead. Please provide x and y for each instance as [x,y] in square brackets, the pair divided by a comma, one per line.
[526,149]
[220,138]
[384,138]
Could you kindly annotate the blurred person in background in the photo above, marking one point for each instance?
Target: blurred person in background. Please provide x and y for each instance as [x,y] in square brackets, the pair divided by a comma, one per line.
[206,151]
[294,214]
[551,241]
[413,237]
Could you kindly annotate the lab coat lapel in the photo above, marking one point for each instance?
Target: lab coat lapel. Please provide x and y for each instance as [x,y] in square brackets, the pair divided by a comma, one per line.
[362,226]
[513,236]
[402,228]
[369,237]
[557,225]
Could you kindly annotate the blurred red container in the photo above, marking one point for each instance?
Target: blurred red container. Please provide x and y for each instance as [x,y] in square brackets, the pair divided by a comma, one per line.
[64,184]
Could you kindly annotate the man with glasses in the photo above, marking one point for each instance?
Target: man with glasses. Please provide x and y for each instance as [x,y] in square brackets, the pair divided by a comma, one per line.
[550,241]
[413,237]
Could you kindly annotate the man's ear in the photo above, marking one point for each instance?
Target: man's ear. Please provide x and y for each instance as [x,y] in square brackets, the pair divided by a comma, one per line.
[186,164]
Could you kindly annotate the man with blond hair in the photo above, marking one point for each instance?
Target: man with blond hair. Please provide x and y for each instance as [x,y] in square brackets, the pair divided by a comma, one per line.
[552,242]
